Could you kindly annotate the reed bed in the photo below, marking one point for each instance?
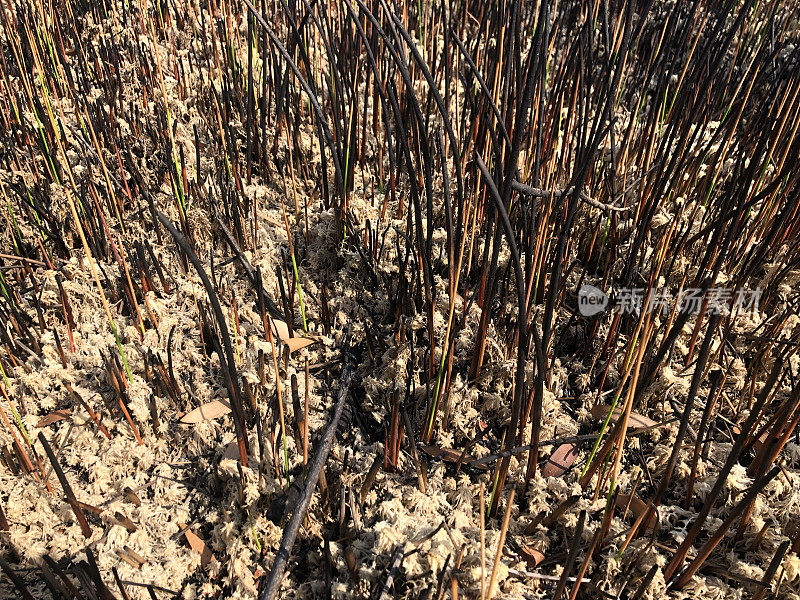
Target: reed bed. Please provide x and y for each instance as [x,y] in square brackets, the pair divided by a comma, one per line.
[349,298]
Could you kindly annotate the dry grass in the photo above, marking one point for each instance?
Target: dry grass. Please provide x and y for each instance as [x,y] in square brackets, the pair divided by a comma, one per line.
[208,203]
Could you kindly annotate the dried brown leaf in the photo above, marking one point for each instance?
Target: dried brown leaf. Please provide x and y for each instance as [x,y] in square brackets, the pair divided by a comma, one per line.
[297,343]
[638,507]
[198,546]
[54,417]
[207,412]
[531,556]
[445,454]
[562,459]
[280,329]
[231,451]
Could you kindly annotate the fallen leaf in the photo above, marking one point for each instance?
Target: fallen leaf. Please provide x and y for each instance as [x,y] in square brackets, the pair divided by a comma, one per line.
[54,417]
[231,451]
[445,454]
[635,421]
[280,329]
[562,459]
[130,557]
[638,507]
[531,556]
[131,496]
[297,343]
[89,508]
[207,412]
[123,521]
[452,456]
[198,546]
[293,343]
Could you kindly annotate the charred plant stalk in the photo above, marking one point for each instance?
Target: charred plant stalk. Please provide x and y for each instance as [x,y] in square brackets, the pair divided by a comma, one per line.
[273,582]
[229,364]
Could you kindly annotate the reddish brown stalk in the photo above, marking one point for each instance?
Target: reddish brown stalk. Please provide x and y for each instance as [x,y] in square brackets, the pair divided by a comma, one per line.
[585,565]
[779,434]
[500,544]
[26,461]
[93,415]
[305,413]
[394,434]
[766,457]
[118,383]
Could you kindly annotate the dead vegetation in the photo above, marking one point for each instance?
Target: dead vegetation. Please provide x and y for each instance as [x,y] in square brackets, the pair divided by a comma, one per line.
[290,295]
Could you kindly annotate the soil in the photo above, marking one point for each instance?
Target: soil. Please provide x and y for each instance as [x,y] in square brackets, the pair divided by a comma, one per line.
[203,526]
